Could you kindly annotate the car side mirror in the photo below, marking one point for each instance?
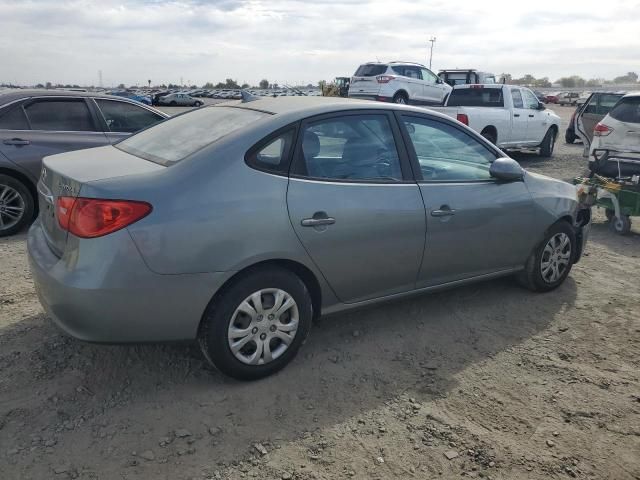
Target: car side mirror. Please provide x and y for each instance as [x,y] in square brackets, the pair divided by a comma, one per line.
[438,80]
[541,106]
[506,169]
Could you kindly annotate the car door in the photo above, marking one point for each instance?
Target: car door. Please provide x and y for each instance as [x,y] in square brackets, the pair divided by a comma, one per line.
[55,125]
[433,87]
[411,82]
[476,225]
[121,118]
[519,119]
[354,204]
[537,120]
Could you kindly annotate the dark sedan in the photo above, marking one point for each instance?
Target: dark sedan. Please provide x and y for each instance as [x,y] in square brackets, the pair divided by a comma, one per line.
[36,123]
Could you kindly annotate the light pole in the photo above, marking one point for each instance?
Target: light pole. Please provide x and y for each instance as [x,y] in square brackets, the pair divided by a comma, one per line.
[432,40]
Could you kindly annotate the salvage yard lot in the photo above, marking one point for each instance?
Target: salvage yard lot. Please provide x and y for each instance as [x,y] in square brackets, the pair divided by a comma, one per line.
[488,380]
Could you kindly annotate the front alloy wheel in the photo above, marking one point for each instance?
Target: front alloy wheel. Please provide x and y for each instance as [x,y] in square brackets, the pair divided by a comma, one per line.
[556,258]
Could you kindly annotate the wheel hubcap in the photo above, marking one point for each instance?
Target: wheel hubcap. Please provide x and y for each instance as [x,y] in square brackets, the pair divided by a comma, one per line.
[11,207]
[555,257]
[263,326]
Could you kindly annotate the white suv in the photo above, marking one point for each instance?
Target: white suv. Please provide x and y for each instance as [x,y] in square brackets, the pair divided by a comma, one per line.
[398,82]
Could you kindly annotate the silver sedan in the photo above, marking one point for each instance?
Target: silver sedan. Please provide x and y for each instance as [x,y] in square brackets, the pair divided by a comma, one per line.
[238,224]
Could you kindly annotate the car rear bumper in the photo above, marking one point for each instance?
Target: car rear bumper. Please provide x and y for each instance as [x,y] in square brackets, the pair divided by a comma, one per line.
[102,291]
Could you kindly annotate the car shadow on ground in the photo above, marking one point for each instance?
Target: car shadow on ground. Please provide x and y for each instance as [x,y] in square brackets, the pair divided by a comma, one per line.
[351,363]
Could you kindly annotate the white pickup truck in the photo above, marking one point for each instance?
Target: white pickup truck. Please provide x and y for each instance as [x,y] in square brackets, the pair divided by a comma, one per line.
[508,116]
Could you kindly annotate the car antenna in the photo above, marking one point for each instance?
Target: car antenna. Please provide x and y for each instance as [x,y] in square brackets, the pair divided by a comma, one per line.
[248,97]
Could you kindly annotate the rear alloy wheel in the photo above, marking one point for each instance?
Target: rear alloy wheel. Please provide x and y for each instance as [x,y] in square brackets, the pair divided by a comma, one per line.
[256,326]
[16,205]
[401,98]
[548,143]
[550,263]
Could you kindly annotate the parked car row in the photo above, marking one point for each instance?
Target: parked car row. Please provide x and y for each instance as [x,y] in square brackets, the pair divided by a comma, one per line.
[566,98]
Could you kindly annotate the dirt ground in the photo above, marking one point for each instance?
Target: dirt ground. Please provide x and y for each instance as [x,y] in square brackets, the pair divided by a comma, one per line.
[486,381]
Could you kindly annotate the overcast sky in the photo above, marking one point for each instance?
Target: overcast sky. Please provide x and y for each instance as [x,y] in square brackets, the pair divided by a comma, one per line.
[305,41]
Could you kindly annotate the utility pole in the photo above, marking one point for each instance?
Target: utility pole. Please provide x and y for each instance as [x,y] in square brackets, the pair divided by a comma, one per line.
[432,40]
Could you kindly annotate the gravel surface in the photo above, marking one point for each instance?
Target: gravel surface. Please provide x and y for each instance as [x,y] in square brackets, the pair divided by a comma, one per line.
[487,380]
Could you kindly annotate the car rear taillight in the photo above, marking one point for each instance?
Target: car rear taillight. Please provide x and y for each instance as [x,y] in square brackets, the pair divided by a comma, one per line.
[384,78]
[95,217]
[463,118]
[602,130]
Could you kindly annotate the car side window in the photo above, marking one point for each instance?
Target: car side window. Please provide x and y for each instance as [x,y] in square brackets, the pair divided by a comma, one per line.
[349,148]
[592,106]
[517,98]
[429,76]
[272,155]
[126,117]
[606,103]
[13,119]
[530,100]
[446,153]
[64,115]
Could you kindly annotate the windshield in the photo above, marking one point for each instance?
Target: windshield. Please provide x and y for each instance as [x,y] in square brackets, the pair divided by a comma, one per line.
[177,138]
[476,97]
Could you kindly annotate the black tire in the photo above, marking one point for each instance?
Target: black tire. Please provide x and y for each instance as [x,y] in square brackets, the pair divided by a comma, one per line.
[621,225]
[489,135]
[569,136]
[213,335]
[532,276]
[24,200]
[173,103]
[548,143]
[401,98]
[198,104]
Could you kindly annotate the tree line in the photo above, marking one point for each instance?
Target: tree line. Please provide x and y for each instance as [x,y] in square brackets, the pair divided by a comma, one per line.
[573,81]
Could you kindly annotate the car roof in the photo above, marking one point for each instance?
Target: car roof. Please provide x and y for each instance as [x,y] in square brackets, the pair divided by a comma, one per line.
[632,94]
[9,96]
[306,106]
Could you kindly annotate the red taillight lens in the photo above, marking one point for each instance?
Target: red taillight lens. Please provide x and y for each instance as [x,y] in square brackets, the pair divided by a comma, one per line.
[384,78]
[64,206]
[94,217]
[463,118]
[602,130]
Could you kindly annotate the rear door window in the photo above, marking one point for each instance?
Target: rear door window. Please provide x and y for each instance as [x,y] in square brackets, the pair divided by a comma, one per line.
[350,148]
[606,103]
[63,115]
[126,117]
[517,98]
[13,119]
[370,70]
[627,110]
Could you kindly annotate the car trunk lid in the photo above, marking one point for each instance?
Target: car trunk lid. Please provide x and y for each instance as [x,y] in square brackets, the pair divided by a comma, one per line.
[64,175]
[364,81]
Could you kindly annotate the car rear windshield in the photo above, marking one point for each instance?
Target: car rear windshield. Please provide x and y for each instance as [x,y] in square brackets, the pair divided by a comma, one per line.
[476,97]
[177,138]
[370,70]
[627,110]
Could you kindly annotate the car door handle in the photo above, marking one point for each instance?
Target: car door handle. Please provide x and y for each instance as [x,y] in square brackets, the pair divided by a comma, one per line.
[316,222]
[16,141]
[318,219]
[530,116]
[443,211]
[516,114]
